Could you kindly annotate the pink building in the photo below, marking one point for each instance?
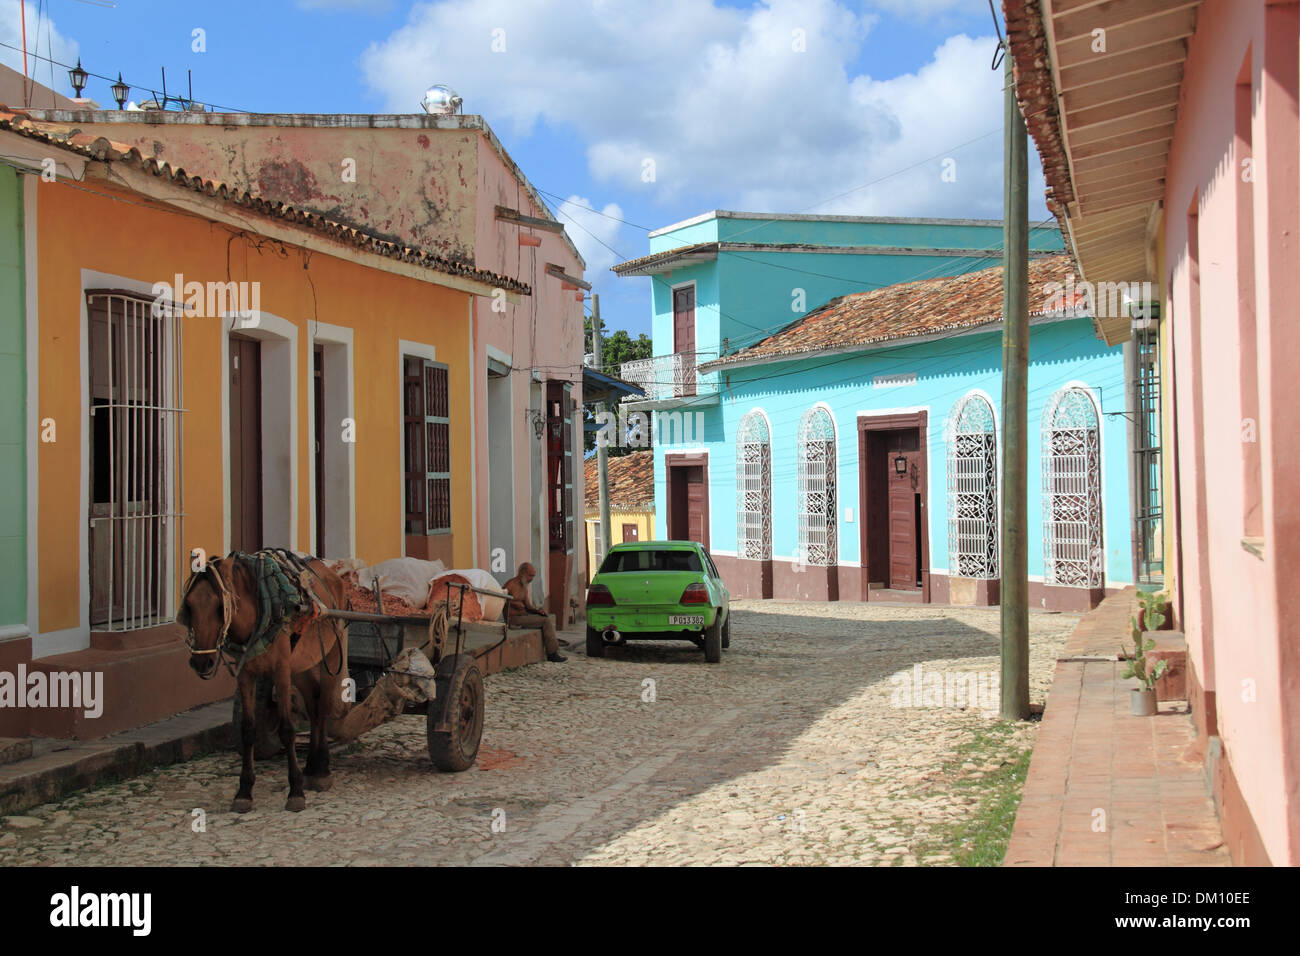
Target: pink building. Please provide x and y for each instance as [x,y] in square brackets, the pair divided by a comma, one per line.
[440,182]
[1171,145]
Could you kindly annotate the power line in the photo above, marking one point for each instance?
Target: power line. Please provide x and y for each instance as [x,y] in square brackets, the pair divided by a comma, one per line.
[108,79]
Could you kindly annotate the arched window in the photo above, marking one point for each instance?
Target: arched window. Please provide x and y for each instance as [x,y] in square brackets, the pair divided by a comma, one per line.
[1072,545]
[972,489]
[754,487]
[817,499]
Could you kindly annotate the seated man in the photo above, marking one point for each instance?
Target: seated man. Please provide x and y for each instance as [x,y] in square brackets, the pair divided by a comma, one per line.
[520,612]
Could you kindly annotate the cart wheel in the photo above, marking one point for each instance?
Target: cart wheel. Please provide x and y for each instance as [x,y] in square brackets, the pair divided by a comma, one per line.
[460,698]
[713,641]
[595,643]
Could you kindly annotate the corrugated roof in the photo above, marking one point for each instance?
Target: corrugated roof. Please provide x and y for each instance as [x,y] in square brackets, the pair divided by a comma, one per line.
[631,482]
[905,310]
[101,149]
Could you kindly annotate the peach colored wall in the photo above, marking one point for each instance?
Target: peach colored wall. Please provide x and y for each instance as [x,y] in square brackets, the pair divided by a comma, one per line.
[131,238]
[543,331]
[433,188]
[1238,633]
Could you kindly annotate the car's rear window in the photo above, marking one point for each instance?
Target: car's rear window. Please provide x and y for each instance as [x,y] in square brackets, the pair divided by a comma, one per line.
[651,560]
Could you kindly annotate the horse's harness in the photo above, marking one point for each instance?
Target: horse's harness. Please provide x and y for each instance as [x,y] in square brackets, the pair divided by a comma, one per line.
[284,596]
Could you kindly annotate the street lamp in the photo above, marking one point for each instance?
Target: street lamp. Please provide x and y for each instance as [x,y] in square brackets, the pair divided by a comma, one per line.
[121,91]
[78,76]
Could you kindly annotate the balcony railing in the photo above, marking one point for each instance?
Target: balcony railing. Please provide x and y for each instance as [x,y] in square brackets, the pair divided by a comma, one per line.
[666,377]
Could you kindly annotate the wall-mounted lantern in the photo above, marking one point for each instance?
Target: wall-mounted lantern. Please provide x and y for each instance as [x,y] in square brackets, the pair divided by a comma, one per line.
[900,465]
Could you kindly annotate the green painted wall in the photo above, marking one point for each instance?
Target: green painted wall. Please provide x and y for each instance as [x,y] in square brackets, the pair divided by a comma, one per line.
[13,403]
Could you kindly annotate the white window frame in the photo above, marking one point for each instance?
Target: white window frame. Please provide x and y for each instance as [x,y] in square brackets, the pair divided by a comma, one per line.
[973,538]
[754,478]
[818,527]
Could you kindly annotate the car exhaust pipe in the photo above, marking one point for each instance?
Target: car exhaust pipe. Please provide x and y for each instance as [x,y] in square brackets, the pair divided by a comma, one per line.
[612,636]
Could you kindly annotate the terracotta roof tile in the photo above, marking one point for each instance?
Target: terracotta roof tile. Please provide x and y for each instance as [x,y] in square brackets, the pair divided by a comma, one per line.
[905,310]
[631,482]
[105,150]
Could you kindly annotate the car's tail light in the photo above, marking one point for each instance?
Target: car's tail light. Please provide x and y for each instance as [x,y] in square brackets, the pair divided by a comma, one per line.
[695,594]
[598,595]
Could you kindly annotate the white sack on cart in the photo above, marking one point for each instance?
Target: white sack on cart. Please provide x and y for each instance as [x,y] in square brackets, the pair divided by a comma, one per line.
[406,578]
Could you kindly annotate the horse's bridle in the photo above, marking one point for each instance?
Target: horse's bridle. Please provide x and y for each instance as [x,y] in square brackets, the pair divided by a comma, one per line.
[229,604]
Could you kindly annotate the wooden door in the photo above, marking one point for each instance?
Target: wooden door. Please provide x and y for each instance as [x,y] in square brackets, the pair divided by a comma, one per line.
[904,503]
[245,444]
[631,532]
[684,337]
[696,509]
[688,512]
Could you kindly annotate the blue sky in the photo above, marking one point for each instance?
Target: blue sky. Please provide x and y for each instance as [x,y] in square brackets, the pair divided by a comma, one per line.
[775,106]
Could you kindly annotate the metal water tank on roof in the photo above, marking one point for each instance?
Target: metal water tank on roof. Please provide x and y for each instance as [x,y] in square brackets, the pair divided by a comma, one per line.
[441,101]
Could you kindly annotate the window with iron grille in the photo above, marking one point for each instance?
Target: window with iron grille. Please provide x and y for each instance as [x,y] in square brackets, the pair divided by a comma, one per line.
[135,409]
[754,487]
[972,489]
[427,439]
[559,465]
[818,543]
[1072,535]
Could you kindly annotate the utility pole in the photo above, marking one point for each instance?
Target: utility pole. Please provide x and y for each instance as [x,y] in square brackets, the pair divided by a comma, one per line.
[602,453]
[1015,407]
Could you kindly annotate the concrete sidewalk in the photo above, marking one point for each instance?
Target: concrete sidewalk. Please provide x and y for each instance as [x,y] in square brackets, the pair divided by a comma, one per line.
[1106,788]
[40,770]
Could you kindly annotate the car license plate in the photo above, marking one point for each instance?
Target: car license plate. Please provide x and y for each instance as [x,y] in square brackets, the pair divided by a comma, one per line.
[686,620]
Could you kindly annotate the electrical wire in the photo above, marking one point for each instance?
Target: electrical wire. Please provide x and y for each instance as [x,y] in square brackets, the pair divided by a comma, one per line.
[108,79]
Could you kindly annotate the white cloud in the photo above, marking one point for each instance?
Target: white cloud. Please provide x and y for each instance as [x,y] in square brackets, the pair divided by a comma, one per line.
[43,39]
[594,231]
[729,110]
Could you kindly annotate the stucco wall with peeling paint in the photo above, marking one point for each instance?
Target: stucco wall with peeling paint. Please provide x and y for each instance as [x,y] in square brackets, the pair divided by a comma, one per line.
[412,186]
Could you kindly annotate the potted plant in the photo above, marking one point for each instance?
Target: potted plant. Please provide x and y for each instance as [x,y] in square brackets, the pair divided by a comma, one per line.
[1143,699]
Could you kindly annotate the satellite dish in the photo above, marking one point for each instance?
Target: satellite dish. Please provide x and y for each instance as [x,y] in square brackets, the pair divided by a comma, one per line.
[441,101]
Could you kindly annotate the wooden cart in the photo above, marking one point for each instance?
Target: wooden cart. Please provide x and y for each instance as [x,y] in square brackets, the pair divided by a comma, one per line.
[378,658]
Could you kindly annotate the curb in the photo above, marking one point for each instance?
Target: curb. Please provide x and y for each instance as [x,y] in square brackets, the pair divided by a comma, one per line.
[54,774]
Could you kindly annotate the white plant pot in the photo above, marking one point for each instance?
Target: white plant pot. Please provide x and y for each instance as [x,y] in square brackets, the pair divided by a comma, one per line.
[1143,702]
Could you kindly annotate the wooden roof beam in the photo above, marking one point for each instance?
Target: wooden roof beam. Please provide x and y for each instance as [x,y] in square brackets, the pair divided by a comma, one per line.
[506,214]
[557,272]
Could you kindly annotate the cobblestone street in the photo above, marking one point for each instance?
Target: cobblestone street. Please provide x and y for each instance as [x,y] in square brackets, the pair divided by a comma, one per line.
[791,751]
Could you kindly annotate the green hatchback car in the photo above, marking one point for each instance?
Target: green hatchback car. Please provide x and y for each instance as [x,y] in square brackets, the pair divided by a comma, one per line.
[658,590]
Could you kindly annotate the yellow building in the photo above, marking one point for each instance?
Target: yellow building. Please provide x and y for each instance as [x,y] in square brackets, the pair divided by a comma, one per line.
[631,502]
[210,372]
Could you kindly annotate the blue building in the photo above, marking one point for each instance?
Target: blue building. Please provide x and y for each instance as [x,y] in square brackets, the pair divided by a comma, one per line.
[827,418]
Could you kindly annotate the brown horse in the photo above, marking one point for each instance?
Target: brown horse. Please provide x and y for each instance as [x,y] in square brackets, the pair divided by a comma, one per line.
[309,655]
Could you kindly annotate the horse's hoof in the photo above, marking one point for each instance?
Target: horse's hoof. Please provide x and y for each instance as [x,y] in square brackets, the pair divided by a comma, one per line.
[241,805]
[320,783]
[296,804]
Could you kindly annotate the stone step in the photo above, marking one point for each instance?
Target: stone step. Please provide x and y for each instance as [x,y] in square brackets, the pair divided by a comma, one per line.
[1170,646]
[14,748]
